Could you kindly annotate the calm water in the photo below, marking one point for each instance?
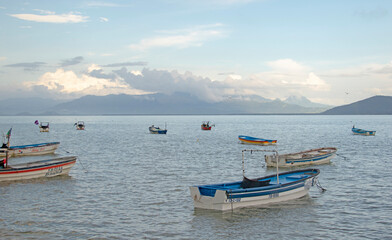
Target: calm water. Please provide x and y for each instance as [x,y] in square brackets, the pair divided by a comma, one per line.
[136,183]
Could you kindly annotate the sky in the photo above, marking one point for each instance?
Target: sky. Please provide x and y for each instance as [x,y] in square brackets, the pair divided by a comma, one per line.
[332,52]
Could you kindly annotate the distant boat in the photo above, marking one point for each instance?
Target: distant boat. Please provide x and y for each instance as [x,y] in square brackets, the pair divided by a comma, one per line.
[32,149]
[358,131]
[206,125]
[157,130]
[253,140]
[44,127]
[308,157]
[253,192]
[79,125]
[37,169]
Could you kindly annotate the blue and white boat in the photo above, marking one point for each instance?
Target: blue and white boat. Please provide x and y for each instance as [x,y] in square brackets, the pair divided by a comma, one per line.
[257,141]
[157,130]
[358,131]
[274,188]
[29,150]
[308,157]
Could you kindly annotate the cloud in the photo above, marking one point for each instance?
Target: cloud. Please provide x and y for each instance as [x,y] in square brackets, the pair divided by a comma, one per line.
[125,64]
[3,58]
[51,17]
[370,14]
[73,61]
[102,4]
[68,83]
[33,66]
[103,19]
[183,38]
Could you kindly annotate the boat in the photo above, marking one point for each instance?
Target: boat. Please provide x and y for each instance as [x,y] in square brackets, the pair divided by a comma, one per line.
[308,157]
[258,141]
[157,130]
[44,127]
[28,150]
[274,188]
[358,131]
[43,168]
[206,125]
[79,125]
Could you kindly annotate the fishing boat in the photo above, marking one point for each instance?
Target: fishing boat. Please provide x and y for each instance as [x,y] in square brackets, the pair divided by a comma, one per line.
[37,169]
[44,127]
[79,125]
[358,131]
[308,157]
[157,130]
[206,125]
[274,188]
[258,141]
[28,150]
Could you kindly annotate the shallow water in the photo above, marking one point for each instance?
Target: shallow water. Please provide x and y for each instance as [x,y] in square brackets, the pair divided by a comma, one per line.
[129,184]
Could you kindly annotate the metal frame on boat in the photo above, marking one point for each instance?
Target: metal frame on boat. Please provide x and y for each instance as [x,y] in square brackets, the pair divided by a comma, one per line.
[309,157]
[256,141]
[32,149]
[253,192]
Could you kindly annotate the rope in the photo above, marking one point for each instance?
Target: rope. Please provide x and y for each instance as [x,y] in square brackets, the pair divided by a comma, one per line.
[317,183]
[81,163]
[345,158]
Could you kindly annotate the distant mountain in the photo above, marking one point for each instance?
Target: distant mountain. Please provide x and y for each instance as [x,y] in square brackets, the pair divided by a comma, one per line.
[26,106]
[304,102]
[370,106]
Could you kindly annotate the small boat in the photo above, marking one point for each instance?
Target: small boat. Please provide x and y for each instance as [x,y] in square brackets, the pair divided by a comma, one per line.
[309,157]
[258,141]
[274,188]
[157,130]
[79,125]
[37,169]
[28,150]
[44,127]
[358,131]
[206,125]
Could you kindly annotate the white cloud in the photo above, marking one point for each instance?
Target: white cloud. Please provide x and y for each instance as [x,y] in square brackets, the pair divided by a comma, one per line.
[3,58]
[51,17]
[103,19]
[182,38]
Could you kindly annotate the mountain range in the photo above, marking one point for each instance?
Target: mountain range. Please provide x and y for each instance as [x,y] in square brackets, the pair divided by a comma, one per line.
[177,103]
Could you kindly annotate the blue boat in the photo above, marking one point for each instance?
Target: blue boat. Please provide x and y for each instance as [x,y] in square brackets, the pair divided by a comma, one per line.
[253,192]
[257,141]
[157,130]
[358,131]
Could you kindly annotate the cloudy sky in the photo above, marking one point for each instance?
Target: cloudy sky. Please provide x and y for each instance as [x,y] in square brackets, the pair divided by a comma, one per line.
[332,52]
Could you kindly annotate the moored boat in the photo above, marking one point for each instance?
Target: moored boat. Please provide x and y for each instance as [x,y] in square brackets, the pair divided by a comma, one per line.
[274,188]
[32,149]
[358,131]
[44,127]
[37,169]
[206,125]
[257,141]
[157,130]
[79,125]
[308,157]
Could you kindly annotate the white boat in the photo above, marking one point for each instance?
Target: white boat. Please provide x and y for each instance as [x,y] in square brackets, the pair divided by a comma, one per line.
[32,149]
[37,169]
[254,192]
[44,127]
[79,125]
[308,157]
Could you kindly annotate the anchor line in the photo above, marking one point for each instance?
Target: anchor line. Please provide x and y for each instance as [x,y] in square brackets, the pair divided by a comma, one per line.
[317,183]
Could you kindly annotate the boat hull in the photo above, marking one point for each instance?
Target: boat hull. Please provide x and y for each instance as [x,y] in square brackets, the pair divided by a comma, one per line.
[358,131]
[155,130]
[44,129]
[31,150]
[310,157]
[205,127]
[44,168]
[79,127]
[256,141]
[228,199]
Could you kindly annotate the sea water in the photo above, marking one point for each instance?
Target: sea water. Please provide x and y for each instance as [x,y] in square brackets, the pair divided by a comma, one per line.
[130,184]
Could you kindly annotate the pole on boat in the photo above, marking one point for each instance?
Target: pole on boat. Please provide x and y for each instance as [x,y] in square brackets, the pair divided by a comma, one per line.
[243,164]
[277,167]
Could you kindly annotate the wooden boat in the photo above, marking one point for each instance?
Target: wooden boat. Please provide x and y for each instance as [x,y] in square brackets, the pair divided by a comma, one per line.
[37,169]
[44,127]
[206,125]
[308,157]
[358,131]
[274,188]
[79,125]
[157,130]
[258,141]
[32,149]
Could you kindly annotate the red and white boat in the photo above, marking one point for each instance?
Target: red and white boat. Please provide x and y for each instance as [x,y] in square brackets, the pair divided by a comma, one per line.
[206,125]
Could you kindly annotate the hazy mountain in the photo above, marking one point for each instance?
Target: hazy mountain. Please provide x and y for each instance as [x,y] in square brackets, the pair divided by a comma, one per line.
[26,106]
[304,102]
[373,105]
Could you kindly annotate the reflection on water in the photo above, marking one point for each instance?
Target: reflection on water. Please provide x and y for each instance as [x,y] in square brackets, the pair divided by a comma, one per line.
[137,184]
